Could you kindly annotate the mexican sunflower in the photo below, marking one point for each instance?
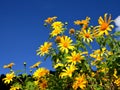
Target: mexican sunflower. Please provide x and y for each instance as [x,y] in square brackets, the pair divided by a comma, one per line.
[68,71]
[57,24]
[86,35]
[49,20]
[104,25]
[80,82]
[75,57]
[9,77]
[65,44]
[44,49]
[40,72]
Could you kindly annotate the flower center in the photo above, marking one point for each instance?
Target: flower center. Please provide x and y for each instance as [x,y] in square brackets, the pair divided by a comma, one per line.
[87,35]
[9,77]
[104,26]
[75,58]
[44,49]
[65,44]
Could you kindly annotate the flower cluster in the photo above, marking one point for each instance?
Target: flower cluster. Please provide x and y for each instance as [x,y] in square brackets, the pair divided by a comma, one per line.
[86,58]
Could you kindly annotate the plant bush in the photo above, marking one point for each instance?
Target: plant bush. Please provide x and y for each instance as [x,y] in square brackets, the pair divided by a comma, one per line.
[78,64]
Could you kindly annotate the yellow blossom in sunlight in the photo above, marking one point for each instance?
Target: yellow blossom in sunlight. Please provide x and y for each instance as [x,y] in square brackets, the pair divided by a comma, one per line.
[86,35]
[80,82]
[49,20]
[43,84]
[104,70]
[117,82]
[9,77]
[9,65]
[40,72]
[56,31]
[75,57]
[65,44]
[97,54]
[104,25]
[35,65]
[68,71]
[44,49]
[57,25]
[84,23]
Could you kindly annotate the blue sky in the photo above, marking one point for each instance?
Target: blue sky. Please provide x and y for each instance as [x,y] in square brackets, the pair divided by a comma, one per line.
[22,30]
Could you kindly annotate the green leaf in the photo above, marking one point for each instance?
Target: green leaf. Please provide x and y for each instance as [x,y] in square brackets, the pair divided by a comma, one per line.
[117,33]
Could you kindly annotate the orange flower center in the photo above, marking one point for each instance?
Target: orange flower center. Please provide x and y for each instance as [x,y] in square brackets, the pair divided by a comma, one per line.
[44,49]
[49,19]
[104,26]
[76,58]
[87,35]
[65,44]
[9,77]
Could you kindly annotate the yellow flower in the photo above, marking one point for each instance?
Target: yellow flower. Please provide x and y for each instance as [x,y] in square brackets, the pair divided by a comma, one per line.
[75,57]
[86,35]
[56,31]
[105,25]
[9,65]
[9,77]
[43,84]
[117,82]
[68,71]
[84,23]
[49,20]
[44,49]
[35,65]
[15,88]
[97,54]
[40,72]
[80,82]
[103,69]
[65,44]
[57,25]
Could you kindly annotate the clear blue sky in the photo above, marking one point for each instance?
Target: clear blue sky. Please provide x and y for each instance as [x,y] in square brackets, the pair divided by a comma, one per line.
[22,30]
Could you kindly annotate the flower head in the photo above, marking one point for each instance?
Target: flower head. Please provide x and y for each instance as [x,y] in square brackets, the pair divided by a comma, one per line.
[68,71]
[9,77]
[117,82]
[84,23]
[9,65]
[65,44]
[75,57]
[57,25]
[80,82]
[16,86]
[40,72]
[56,31]
[97,54]
[49,20]
[72,31]
[86,35]
[35,65]
[104,25]
[43,84]
[44,49]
